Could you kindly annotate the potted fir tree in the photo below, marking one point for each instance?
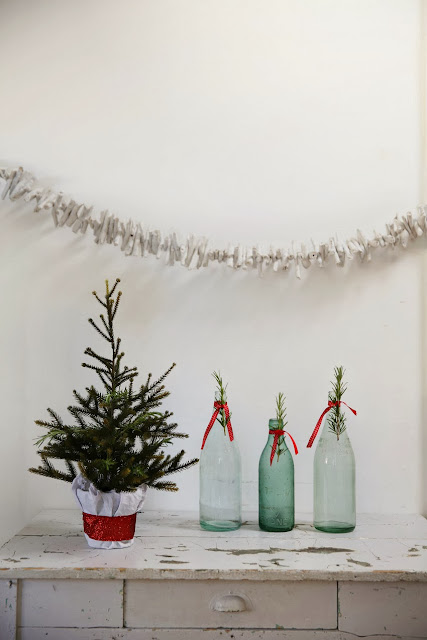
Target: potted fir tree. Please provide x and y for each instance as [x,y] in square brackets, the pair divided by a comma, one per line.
[116,440]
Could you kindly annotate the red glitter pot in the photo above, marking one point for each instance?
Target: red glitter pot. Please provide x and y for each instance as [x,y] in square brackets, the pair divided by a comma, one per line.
[115,529]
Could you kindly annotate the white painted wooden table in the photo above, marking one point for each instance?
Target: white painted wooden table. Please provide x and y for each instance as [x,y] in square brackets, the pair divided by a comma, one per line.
[177,580]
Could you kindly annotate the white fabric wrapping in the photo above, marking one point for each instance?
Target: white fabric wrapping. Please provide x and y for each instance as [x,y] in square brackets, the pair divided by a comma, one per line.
[98,503]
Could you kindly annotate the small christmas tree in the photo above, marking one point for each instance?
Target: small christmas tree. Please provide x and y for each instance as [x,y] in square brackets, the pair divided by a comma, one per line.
[118,435]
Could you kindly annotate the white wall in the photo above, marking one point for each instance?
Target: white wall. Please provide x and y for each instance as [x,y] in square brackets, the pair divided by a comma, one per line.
[245,121]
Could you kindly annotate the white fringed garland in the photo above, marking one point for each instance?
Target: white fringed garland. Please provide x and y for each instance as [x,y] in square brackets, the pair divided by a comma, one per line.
[134,239]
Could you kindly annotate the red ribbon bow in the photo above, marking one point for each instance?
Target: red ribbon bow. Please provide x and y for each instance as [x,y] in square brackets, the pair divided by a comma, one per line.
[219,406]
[116,528]
[277,433]
[319,422]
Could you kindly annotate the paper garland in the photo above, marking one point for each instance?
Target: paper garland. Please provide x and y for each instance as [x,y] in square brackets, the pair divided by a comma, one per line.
[194,252]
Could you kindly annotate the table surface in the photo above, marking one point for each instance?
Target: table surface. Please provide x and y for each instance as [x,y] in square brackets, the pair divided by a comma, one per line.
[171,545]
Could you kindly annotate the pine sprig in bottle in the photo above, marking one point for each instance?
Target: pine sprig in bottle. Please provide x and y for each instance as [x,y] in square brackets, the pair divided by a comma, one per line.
[281,420]
[336,418]
[221,397]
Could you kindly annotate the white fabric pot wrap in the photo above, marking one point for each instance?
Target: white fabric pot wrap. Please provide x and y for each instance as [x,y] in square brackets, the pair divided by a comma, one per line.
[111,504]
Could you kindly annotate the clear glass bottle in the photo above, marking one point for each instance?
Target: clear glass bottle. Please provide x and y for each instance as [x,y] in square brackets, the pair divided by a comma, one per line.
[276,485]
[220,482]
[334,483]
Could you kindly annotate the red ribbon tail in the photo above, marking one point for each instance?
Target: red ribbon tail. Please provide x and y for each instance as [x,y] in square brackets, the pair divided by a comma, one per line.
[293,442]
[274,447]
[353,410]
[277,435]
[219,406]
[209,427]
[317,427]
[319,422]
[229,427]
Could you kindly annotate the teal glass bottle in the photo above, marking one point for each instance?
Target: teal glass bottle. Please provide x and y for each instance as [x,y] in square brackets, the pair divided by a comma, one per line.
[276,494]
[334,483]
[220,482]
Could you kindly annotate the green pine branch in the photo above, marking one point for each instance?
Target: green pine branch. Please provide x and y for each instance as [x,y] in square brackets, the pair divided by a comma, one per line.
[221,397]
[336,417]
[282,422]
[281,410]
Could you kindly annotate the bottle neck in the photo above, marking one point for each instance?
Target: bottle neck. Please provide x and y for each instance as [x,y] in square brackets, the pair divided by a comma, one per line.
[218,397]
[274,427]
[334,424]
[221,421]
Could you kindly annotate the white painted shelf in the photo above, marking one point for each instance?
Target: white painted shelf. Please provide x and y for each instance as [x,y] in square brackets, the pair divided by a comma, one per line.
[172,545]
[177,578]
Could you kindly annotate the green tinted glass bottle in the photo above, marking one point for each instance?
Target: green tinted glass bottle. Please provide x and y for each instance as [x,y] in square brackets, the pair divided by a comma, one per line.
[276,484]
[334,483]
[334,466]
[220,483]
[220,473]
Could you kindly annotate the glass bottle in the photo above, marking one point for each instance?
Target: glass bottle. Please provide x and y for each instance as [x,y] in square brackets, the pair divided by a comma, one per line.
[276,485]
[220,482]
[334,483]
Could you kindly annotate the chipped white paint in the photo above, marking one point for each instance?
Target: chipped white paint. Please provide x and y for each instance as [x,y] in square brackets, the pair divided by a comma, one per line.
[398,608]
[172,546]
[175,573]
[8,609]
[66,603]
[194,252]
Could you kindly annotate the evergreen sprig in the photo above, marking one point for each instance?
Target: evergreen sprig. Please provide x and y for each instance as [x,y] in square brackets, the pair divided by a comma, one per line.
[118,435]
[221,396]
[281,410]
[281,420]
[336,417]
